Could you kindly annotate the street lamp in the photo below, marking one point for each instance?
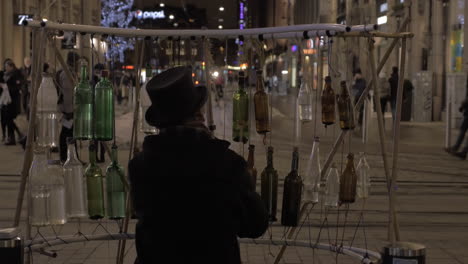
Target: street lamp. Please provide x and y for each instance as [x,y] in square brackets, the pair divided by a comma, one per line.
[171,17]
[220,26]
[221,8]
[161,5]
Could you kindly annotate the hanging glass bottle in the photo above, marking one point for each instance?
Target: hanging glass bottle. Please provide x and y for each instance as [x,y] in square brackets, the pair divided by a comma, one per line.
[240,119]
[345,108]
[363,172]
[47,129]
[39,191]
[269,186]
[94,186]
[251,165]
[348,182]
[145,103]
[304,101]
[332,187]
[292,194]
[328,103]
[115,188]
[83,108]
[75,184]
[262,113]
[57,212]
[104,115]
[313,174]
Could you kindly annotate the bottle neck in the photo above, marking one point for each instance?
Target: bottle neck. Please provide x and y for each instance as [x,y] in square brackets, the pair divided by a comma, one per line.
[260,86]
[115,155]
[84,74]
[270,159]
[71,152]
[295,161]
[241,84]
[92,156]
[251,159]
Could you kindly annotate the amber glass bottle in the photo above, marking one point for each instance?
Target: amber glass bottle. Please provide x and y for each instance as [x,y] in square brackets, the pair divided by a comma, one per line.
[348,182]
[262,115]
[328,103]
[345,108]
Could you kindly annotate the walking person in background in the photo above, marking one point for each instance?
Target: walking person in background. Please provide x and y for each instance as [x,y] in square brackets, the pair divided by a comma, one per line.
[384,92]
[214,186]
[358,88]
[65,102]
[464,127]
[5,99]
[393,90]
[13,79]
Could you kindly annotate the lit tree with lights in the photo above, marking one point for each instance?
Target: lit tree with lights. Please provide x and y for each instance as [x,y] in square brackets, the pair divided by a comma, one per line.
[117,13]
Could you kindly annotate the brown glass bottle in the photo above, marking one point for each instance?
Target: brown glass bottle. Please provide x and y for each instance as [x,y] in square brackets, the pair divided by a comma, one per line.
[345,108]
[262,116]
[328,103]
[251,165]
[348,182]
[292,194]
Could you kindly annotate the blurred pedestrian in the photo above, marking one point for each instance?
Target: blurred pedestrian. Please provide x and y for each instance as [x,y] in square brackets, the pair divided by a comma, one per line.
[357,90]
[393,90]
[384,92]
[13,79]
[463,128]
[5,99]
[214,188]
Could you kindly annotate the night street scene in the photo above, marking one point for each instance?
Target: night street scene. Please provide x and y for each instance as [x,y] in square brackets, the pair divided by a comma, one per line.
[233,131]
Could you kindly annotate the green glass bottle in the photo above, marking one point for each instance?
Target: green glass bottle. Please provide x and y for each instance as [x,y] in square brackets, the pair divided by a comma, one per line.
[83,107]
[95,186]
[104,115]
[240,112]
[269,186]
[292,194]
[115,188]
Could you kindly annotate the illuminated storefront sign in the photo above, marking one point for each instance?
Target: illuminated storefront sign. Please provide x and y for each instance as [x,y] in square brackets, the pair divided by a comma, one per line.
[18,19]
[139,14]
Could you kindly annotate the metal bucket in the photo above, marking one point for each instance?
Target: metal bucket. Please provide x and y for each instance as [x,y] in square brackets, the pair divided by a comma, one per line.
[11,246]
[404,253]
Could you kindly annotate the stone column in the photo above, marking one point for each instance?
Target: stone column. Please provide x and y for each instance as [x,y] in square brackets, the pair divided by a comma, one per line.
[437,64]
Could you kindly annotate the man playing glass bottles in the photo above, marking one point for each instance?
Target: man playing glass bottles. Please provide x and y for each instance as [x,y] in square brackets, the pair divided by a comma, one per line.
[192,195]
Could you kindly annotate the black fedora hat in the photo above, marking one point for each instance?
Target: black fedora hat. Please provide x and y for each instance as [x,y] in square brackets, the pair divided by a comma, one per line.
[174,98]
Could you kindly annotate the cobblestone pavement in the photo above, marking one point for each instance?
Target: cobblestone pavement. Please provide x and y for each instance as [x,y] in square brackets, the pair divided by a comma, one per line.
[431,196]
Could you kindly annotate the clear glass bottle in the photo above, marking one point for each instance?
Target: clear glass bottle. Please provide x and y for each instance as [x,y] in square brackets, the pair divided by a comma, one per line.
[145,103]
[304,101]
[345,108]
[115,188]
[39,189]
[47,128]
[292,194]
[348,182]
[313,174]
[240,111]
[328,103]
[75,184]
[83,107]
[57,204]
[94,186]
[262,111]
[363,172]
[104,115]
[269,186]
[332,187]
